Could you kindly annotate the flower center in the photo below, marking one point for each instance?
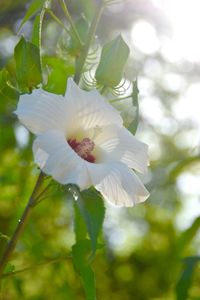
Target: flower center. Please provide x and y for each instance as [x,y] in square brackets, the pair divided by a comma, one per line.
[83,148]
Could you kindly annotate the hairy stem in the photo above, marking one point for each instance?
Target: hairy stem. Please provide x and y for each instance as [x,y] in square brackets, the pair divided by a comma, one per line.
[21,225]
[81,60]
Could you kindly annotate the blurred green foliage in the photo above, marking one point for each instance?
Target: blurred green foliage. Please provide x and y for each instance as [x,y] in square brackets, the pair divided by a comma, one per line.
[149,264]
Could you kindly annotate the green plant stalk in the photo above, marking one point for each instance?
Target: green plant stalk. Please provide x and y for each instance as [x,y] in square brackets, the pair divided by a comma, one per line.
[21,225]
[47,262]
[69,18]
[57,20]
[81,60]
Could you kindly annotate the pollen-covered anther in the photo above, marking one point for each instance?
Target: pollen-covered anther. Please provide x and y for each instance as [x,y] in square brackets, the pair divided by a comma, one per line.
[83,148]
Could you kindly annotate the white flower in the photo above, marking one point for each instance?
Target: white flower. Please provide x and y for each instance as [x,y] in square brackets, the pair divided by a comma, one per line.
[80,139]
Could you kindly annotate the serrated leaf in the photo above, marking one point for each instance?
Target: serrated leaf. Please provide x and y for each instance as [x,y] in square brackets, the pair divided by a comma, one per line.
[35,6]
[134,124]
[80,229]
[112,62]
[184,283]
[80,253]
[92,210]
[28,68]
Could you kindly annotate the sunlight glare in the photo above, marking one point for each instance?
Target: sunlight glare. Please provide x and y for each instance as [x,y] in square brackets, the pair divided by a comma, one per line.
[144,37]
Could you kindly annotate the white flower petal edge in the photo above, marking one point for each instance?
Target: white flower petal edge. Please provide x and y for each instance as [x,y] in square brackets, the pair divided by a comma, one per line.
[88,109]
[118,184]
[56,158]
[65,125]
[119,144]
[41,111]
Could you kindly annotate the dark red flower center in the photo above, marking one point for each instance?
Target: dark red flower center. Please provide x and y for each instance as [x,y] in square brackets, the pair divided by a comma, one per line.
[83,148]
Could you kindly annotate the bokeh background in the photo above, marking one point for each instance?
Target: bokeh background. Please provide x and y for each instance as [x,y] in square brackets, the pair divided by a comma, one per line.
[146,245]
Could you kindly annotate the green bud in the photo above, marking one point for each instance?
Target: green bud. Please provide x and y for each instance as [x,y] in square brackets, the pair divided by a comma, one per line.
[112,62]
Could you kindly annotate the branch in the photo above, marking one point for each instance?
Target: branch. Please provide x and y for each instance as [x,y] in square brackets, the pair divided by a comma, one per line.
[21,225]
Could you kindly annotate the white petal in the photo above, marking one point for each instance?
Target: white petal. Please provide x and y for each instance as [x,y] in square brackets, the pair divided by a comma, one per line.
[89,109]
[118,184]
[41,111]
[56,158]
[119,144]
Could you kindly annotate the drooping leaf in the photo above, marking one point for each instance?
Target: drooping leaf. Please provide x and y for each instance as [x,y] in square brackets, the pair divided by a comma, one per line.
[184,283]
[134,124]
[28,68]
[112,62]
[92,210]
[80,253]
[35,6]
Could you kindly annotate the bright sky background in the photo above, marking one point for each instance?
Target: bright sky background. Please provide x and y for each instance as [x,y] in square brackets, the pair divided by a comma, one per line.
[182,43]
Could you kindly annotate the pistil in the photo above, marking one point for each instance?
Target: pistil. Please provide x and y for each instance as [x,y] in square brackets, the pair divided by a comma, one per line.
[83,148]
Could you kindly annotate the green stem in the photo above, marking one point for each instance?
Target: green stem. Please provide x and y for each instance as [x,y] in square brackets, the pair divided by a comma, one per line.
[49,261]
[119,99]
[57,20]
[69,18]
[21,225]
[81,60]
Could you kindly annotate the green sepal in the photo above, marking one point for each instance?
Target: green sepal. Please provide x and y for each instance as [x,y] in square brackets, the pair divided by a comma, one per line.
[112,62]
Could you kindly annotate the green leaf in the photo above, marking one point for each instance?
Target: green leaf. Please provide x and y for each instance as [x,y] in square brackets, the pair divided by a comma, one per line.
[35,38]
[112,62]
[37,27]
[7,92]
[184,283]
[33,9]
[79,224]
[134,124]
[80,254]
[58,70]
[187,236]
[28,68]
[92,210]
[182,165]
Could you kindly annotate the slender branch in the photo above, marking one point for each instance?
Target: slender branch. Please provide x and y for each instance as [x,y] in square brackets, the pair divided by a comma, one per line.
[57,20]
[21,225]
[49,261]
[69,18]
[119,99]
[81,60]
